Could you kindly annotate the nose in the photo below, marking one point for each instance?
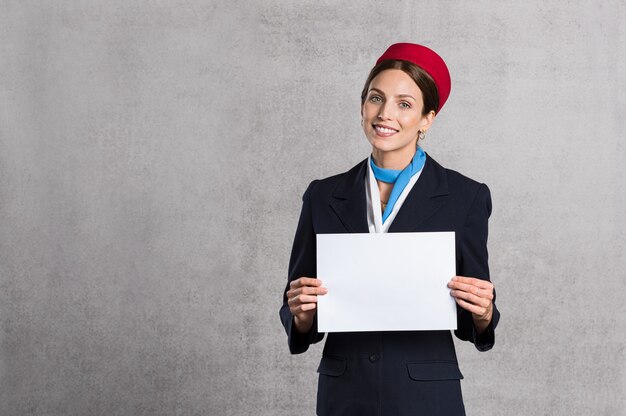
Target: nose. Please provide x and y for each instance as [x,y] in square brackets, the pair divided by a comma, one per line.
[384,112]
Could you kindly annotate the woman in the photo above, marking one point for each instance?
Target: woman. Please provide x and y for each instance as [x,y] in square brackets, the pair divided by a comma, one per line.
[399,188]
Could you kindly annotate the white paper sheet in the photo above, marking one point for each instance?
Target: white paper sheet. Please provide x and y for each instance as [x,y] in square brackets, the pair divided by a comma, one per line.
[386,281]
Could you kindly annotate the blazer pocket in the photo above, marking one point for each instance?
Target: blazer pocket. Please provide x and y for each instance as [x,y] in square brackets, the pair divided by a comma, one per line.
[332,366]
[434,370]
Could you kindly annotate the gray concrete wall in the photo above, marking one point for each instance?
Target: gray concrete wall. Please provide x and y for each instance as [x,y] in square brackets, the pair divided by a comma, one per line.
[152,160]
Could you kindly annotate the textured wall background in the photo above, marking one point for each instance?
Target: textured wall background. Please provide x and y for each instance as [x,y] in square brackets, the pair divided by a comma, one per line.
[152,159]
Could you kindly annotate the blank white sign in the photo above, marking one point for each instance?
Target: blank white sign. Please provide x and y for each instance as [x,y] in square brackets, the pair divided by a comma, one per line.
[386,282]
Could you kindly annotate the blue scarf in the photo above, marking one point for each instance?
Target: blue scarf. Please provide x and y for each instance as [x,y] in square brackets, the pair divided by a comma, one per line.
[400,178]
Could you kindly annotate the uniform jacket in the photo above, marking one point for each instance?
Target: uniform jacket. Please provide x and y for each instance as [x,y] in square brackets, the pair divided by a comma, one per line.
[393,373]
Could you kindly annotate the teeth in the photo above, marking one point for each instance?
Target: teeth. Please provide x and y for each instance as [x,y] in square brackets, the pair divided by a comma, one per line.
[385,130]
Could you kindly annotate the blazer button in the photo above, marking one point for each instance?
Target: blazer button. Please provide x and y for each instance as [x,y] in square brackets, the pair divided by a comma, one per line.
[374,358]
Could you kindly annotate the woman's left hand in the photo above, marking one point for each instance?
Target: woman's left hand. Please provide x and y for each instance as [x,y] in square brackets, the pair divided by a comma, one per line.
[476,296]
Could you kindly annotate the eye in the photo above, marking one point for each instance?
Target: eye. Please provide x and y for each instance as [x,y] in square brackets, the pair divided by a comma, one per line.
[404,104]
[375,99]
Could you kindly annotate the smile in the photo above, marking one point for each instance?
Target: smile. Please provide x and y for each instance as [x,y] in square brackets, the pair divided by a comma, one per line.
[384,131]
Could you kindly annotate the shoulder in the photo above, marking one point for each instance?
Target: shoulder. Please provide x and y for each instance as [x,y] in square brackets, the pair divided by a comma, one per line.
[459,184]
[339,184]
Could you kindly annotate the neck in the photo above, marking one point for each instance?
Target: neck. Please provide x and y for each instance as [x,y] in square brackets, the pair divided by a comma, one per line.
[396,160]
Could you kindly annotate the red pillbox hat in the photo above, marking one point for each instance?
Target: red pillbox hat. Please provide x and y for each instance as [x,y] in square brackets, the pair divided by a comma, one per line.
[425,58]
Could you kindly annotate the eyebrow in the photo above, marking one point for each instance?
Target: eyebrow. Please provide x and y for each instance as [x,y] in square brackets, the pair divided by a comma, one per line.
[399,95]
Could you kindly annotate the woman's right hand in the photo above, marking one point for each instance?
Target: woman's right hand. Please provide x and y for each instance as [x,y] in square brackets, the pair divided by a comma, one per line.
[302,300]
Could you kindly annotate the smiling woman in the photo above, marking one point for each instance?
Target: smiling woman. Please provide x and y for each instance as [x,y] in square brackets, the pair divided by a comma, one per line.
[393,117]
[398,188]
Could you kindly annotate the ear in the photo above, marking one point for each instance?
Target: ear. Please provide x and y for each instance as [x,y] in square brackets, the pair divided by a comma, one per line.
[427,121]
[361,115]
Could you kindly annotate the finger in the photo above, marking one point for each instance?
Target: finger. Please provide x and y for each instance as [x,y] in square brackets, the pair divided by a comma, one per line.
[476,310]
[292,293]
[471,298]
[306,290]
[483,284]
[475,290]
[465,287]
[293,301]
[305,299]
[301,299]
[305,281]
[305,307]
[480,283]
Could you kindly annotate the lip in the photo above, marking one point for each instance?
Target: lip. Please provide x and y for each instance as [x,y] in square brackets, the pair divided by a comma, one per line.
[383,134]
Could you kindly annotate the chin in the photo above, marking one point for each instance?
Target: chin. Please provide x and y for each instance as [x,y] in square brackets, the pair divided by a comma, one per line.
[391,147]
[381,147]
[385,145]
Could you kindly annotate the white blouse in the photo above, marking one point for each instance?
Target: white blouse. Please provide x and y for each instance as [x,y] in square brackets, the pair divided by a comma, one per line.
[374,214]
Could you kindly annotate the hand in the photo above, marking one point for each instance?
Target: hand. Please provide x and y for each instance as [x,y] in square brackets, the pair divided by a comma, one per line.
[302,300]
[476,296]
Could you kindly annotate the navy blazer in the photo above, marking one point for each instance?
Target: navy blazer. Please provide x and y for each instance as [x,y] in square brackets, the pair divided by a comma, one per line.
[393,373]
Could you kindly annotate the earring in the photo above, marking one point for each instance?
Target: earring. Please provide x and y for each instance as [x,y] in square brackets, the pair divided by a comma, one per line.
[421,135]
[361,122]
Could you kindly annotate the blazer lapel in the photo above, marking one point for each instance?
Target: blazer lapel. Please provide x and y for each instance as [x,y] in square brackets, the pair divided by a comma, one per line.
[349,201]
[429,193]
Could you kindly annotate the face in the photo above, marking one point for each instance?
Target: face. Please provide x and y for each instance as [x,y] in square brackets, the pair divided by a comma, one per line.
[392,114]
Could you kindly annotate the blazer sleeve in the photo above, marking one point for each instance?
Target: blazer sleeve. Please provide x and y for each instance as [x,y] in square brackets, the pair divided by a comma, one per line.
[302,263]
[474,263]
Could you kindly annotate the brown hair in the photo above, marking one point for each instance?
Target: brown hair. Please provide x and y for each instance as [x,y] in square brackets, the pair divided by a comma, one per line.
[417,74]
